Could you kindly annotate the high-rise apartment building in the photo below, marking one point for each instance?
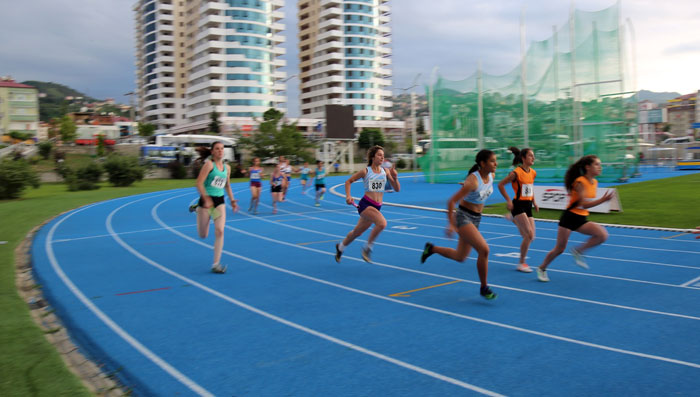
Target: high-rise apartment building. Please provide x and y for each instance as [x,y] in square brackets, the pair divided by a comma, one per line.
[345,57]
[198,56]
[19,108]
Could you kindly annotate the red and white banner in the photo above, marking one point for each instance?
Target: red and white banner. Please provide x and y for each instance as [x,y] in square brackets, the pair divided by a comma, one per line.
[557,198]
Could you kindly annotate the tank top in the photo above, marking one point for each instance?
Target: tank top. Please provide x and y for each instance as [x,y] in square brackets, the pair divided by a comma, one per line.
[320,176]
[216,181]
[305,171]
[482,192]
[255,175]
[375,181]
[277,180]
[589,192]
[524,184]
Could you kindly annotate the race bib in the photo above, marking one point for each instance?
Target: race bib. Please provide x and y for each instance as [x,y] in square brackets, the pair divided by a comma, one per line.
[376,186]
[218,182]
[527,190]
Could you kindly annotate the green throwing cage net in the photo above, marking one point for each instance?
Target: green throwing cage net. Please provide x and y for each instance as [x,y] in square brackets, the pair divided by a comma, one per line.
[576,104]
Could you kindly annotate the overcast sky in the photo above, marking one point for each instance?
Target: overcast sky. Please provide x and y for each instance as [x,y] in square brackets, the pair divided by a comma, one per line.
[89,44]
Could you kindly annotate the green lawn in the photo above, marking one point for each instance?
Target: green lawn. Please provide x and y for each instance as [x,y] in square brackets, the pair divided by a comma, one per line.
[670,202]
[73,160]
[29,365]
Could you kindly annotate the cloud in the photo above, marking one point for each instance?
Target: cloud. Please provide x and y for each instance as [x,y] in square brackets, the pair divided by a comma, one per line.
[89,45]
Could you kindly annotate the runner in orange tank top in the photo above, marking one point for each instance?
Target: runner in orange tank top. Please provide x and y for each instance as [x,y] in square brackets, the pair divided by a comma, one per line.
[523,180]
[580,181]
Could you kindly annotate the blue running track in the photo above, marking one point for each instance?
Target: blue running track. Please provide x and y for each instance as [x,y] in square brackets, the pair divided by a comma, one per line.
[130,279]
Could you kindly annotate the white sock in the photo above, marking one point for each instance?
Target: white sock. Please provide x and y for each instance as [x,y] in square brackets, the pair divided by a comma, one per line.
[369,246]
[341,247]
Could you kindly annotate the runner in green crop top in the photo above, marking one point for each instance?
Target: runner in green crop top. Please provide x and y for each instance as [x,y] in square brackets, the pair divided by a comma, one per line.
[213,180]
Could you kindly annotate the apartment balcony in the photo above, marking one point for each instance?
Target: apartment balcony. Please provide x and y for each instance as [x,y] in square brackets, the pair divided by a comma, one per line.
[207,33]
[212,96]
[331,11]
[165,7]
[334,56]
[165,48]
[336,3]
[384,19]
[331,34]
[208,84]
[325,91]
[208,7]
[331,44]
[337,67]
[215,70]
[206,59]
[216,20]
[163,80]
[335,22]
[324,80]
[277,15]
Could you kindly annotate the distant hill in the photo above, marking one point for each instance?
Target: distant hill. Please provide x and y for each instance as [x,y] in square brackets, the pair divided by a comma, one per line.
[54,104]
[656,97]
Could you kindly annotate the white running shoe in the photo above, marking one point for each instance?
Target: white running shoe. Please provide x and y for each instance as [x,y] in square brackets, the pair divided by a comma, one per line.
[542,275]
[367,254]
[580,260]
[218,268]
[523,267]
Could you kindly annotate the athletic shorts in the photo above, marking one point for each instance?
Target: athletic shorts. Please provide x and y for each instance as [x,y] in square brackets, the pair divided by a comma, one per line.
[305,177]
[368,202]
[465,216]
[319,187]
[572,221]
[255,184]
[276,189]
[218,200]
[522,206]
[289,178]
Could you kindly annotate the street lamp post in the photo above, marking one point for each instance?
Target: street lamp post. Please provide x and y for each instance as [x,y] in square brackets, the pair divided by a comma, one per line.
[413,120]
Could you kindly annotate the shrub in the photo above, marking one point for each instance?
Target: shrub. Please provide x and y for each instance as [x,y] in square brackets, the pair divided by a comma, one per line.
[85,178]
[15,176]
[45,149]
[401,164]
[123,170]
[177,170]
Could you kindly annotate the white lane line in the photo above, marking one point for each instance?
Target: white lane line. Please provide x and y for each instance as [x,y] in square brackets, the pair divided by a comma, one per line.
[689,283]
[458,279]
[401,302]
[332,190]
[273,317]
[635,261]
[172,371]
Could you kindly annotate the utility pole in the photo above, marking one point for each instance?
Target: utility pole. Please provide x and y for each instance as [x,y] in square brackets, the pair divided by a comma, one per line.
[131,109]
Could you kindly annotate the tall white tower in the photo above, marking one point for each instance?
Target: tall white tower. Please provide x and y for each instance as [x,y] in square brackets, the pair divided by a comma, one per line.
[199,56]
[345,57]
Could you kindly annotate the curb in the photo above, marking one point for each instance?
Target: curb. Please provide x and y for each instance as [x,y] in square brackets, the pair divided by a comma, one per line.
[89,372]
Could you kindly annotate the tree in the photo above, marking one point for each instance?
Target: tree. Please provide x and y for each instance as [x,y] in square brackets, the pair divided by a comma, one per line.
[273,139]
[146,129]
[370,137]
[215,124]
[15,176]
[68,129]
[420,127]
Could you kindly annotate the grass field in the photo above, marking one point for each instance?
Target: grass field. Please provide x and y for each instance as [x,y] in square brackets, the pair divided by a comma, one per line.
[670,202]
[29,365]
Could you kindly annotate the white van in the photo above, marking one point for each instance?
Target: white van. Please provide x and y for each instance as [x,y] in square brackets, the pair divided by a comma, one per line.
[677,140]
